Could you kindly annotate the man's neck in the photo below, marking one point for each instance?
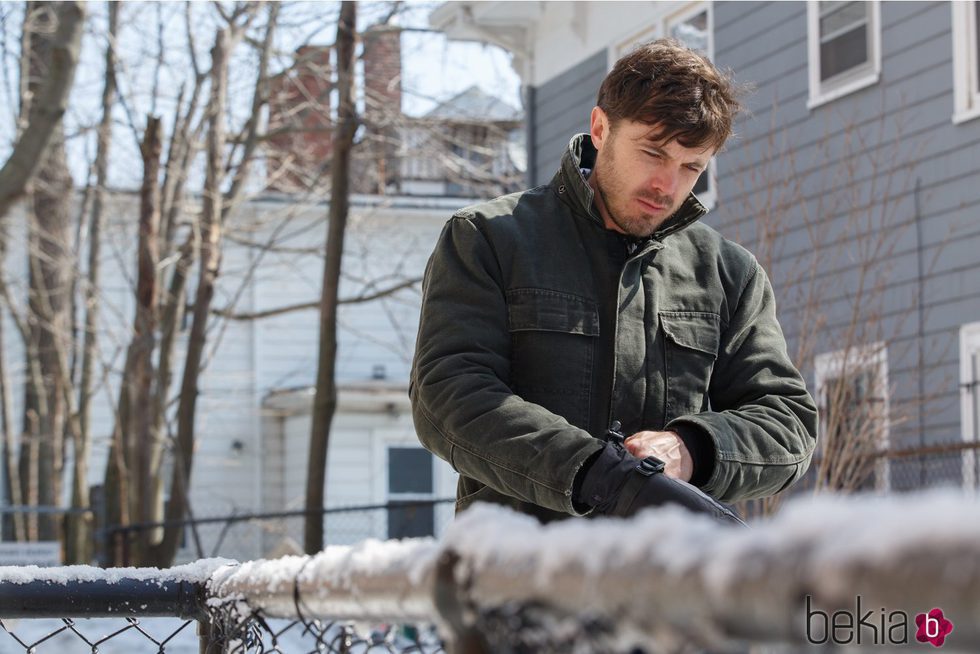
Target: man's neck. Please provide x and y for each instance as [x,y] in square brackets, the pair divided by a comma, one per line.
[600,205]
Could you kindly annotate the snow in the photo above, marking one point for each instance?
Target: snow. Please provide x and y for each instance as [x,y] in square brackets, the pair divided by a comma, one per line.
[666,571]
[838,530]
[197,572]
[666,568]
[372,580]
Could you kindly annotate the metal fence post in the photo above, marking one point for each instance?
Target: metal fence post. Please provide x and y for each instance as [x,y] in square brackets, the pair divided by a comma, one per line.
[210,640]
[450,601]
[124,536]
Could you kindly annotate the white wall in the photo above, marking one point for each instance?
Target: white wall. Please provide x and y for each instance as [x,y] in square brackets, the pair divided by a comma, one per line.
[570,32]
[387,242]
[384,244]
[370,418]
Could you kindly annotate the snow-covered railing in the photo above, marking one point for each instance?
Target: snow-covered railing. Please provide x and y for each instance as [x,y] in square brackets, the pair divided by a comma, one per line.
[39,606]
[858,570]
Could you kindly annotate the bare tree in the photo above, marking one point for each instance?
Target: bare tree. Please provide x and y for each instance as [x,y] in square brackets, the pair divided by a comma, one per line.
[132,435]
[78,528]
[829,230]
[42,454]
[49,55]
[62,23]
[212,144]
[325,399]
[209,257]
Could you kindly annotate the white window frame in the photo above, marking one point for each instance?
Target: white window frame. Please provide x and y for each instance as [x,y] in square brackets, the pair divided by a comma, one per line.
[966,62]
[660,28]
[831,365]
[849,81]
[969,378]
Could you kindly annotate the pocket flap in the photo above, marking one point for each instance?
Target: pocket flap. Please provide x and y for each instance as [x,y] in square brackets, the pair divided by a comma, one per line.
[536,309]
[693,329]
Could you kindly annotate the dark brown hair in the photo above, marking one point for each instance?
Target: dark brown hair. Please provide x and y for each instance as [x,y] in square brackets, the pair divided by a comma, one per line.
[666,84]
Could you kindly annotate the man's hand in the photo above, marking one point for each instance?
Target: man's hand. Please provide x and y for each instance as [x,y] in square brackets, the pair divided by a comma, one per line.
[666,446]
[617,483]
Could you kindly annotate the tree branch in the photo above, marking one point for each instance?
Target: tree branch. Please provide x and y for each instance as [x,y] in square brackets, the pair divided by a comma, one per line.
[305,306]
[47,108]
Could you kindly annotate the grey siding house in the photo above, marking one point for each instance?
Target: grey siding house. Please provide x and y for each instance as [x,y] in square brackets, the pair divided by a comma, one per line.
[854,177]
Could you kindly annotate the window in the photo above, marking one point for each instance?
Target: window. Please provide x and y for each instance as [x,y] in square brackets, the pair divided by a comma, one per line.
[966,60]
[691,26]
[410,480]
[852,398]
[844,48]
[970,401]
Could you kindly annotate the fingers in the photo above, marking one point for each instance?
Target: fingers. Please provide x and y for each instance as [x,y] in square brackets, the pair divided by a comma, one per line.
[666,446]
[636,448]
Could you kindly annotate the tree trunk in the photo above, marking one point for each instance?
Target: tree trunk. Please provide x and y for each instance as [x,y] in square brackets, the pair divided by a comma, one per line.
[171,317]
[138,450]
[325,399]
[182,150]
[49,264]
[210,255]
[49,271]
[13,524]
[78,537]
[49,92]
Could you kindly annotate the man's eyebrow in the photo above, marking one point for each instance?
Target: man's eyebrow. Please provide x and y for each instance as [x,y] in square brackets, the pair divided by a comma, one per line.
[658,145]
[653,141]
[650,144]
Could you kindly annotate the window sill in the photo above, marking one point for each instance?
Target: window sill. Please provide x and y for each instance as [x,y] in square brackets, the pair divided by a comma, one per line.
[966,114]
[846,89]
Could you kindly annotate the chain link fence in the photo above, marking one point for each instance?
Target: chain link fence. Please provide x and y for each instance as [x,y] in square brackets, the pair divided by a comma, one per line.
[275,534]
[896,470]
[942,464]
[105,636]
[253,633]
[257,635]
[664,582]
[263,535]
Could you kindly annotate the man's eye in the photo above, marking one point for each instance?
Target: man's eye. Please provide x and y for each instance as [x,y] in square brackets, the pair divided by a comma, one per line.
[655,155]
[695,169]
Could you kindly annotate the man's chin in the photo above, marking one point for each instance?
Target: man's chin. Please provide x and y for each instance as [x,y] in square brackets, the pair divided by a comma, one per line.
[641,227]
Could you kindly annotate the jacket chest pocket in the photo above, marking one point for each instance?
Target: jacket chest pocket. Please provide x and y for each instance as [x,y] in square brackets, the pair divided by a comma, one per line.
[690,349]
[553,341]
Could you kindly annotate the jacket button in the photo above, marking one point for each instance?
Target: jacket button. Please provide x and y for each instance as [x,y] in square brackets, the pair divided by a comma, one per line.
[561,189]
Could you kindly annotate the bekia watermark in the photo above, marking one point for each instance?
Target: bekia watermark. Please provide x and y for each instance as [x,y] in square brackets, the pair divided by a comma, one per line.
[933,627]
[874,627]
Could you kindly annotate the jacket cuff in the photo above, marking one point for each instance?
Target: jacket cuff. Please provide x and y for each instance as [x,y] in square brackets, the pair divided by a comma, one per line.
[577,501]
[698,442]
[601,479]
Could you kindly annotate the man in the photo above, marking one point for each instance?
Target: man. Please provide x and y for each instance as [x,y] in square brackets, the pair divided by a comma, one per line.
[557,319]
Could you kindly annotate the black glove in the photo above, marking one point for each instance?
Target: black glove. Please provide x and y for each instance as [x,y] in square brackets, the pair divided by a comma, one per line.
[617,483]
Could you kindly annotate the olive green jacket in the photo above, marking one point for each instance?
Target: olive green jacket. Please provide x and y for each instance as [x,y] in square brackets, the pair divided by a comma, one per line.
[501,382]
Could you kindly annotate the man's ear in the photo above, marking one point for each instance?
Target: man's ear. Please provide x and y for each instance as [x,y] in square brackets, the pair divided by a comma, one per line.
[598,127]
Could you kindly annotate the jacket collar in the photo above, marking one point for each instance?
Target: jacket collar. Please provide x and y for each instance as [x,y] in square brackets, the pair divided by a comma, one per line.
[581,154]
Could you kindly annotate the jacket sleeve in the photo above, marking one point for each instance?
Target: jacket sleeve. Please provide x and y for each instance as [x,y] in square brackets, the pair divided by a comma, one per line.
[464,409]
[763,421]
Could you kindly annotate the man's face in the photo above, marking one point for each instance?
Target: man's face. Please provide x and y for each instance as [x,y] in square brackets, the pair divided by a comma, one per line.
[640,181]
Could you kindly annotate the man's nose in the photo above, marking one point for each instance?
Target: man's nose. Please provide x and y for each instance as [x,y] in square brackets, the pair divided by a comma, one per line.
[665,180]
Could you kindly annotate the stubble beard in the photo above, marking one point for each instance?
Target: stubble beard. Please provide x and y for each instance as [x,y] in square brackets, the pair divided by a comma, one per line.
[636,226]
